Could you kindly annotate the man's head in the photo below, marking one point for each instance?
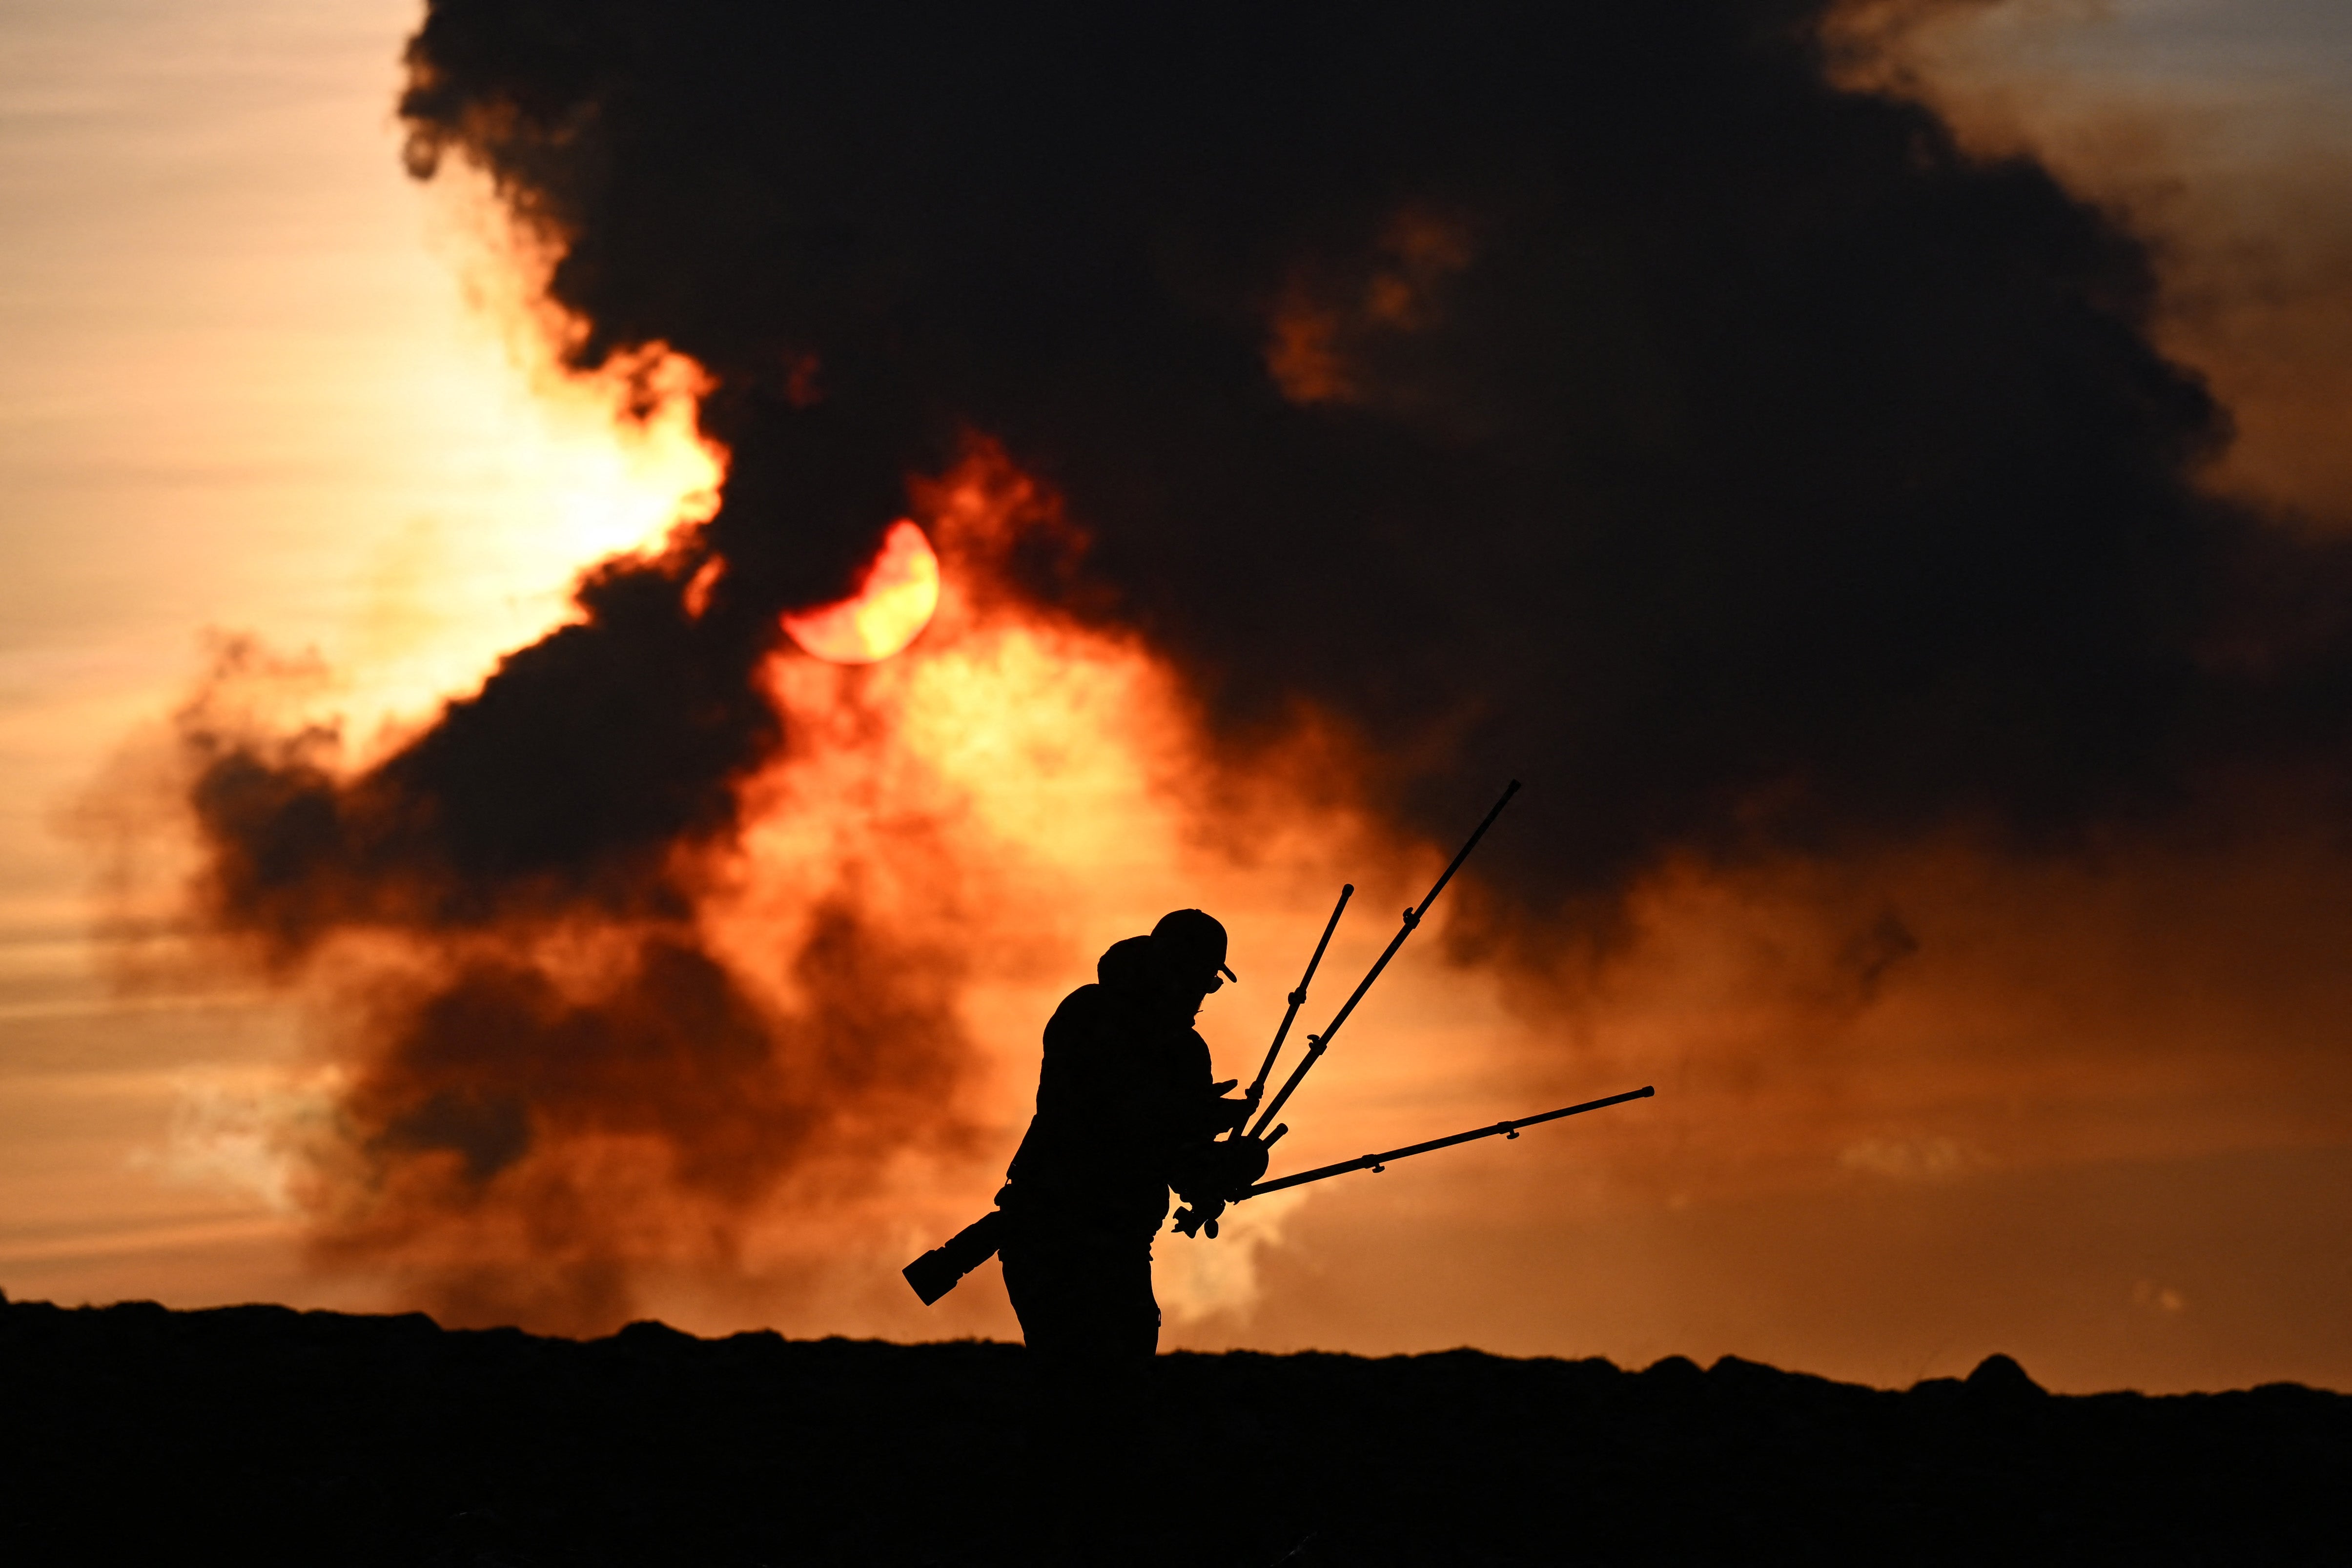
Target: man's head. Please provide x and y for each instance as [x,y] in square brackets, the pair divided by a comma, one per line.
[1189,948]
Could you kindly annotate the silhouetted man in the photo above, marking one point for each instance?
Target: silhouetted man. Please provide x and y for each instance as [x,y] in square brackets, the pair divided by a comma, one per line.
[1126,1108]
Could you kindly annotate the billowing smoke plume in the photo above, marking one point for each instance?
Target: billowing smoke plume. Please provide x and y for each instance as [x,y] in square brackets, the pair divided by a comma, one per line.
[1589,392]
[558,1074]
[1582,391]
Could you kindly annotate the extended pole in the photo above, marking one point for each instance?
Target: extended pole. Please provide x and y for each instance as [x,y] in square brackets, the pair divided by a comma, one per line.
[1507,1129]
[1317,1044]
[1297,1001]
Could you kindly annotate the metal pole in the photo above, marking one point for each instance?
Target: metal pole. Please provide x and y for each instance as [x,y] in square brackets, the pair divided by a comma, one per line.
[1297,1001]
[1507,1129]
[1317,1044]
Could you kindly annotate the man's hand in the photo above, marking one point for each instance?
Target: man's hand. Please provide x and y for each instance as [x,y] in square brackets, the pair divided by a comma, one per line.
[1219,1172]
[1211,1176]
[1224,1115]
[1245,1161]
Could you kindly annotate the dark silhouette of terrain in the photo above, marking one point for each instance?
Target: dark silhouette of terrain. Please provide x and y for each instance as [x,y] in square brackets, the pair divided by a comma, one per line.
[260,1435]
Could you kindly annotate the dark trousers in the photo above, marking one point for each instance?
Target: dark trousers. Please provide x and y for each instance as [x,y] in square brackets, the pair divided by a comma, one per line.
[1083,1302]
[1092,1327]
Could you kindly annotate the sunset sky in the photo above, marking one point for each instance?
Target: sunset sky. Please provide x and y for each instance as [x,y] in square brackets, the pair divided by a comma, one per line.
[1920,1099]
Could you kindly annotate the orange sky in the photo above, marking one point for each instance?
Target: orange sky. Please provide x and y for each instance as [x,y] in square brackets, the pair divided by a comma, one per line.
[2101,1118]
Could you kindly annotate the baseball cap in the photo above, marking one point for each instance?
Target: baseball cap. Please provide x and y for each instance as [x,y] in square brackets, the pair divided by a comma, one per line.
[1195,938]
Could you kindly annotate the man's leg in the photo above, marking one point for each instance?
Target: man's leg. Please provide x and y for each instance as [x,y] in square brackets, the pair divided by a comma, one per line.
[1092,1327]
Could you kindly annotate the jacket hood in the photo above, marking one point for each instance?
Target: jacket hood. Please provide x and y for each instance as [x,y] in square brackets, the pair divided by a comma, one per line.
[1124,964]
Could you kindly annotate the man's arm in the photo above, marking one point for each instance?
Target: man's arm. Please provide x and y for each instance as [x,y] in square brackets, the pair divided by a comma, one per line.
[1203,1168]
[1204,1110]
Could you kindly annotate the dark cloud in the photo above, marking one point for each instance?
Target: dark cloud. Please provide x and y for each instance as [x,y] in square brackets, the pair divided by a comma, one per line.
[558,1080]
[526,1139]
[569,781]
[1583,392]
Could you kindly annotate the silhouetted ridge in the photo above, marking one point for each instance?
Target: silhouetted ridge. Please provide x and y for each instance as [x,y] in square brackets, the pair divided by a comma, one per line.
[136,1433]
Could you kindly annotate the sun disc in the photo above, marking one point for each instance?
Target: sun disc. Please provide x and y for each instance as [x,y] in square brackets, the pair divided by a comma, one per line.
[892,605]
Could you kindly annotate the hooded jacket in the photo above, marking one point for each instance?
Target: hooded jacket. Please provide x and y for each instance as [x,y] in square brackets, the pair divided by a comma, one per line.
[1124,1092]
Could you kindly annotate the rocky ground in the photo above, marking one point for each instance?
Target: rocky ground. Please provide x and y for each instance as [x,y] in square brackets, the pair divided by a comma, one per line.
[258,1435]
